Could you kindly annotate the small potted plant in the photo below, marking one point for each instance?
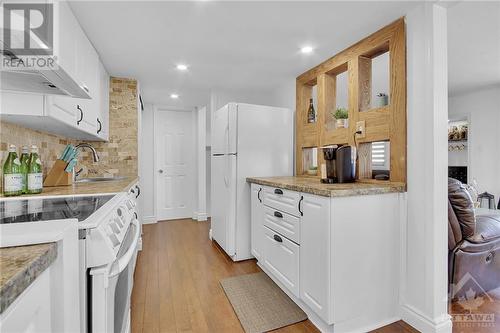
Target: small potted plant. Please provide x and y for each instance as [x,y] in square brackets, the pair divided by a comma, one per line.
[341,115]
[312,171]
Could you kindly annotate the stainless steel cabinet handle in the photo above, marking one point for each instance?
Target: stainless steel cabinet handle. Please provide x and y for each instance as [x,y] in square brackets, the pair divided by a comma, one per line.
[278,239]
[258,194]
[100,126]
[160,171]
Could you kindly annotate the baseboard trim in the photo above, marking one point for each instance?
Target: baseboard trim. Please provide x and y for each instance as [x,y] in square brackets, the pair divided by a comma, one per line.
[421,322]
[200,216]
[149,220]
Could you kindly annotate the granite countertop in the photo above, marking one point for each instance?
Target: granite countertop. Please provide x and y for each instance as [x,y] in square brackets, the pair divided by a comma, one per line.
[87,188]
[314,186]
[20,266]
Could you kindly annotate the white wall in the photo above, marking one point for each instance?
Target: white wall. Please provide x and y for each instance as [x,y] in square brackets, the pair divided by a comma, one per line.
[483,109]
[146,159]
[201,160]
[424,238]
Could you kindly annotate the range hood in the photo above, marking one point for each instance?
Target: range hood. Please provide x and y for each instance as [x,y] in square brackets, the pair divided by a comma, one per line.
[49,82]
[55,81]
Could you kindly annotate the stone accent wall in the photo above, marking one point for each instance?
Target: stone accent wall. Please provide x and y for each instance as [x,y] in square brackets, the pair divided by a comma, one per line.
[118,157]
[50,146]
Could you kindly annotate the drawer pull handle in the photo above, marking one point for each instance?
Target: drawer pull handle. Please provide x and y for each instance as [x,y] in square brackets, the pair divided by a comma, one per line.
[278,214]
[278,239]
[258,194]
[278,191]
[300,210]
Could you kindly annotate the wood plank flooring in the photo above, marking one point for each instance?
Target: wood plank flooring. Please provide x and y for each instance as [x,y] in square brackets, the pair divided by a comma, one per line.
[176,285]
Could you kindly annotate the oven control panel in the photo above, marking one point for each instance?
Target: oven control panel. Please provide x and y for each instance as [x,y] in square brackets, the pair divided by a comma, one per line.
[104,241]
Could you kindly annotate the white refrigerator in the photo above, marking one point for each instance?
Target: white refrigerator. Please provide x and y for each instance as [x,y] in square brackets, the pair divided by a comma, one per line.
[247,141]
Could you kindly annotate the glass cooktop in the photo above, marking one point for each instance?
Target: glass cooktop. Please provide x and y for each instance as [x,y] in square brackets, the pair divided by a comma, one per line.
[32,210]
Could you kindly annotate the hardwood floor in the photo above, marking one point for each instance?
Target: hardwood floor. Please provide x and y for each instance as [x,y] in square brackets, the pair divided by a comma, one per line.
[176,285]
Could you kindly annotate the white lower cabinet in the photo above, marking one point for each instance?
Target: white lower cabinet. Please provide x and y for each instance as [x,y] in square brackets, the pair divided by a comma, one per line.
[281,258]
[337,257]
[31,311]
[257,218]
[315,250]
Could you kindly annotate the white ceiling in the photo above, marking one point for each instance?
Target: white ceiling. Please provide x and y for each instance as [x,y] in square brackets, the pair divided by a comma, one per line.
[238,46]
[473,46]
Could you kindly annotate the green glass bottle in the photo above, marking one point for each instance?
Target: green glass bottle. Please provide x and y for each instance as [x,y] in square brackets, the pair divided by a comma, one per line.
[12,176]
[35,174]
[24,167]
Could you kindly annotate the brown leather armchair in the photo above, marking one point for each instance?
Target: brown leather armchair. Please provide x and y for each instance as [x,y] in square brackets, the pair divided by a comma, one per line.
[473,244]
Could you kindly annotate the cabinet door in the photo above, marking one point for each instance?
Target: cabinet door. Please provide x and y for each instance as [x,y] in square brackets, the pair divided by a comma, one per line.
[32,310]
[103,109]
[315,254]
[257,219]
[63,108]
[89,70]
[65,46]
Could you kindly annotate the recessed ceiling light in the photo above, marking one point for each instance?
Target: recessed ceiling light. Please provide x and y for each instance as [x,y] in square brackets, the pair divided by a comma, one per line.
[306,49]
[174,96]
[182,67]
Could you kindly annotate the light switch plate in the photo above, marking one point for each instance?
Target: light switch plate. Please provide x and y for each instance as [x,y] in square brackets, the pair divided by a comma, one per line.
[360,126]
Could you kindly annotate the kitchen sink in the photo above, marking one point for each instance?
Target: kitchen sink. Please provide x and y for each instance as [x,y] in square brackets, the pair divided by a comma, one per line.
[100,179]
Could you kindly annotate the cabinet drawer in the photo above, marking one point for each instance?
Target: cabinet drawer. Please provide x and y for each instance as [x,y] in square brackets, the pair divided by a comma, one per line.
[283,223]
[283,200]
[282,259]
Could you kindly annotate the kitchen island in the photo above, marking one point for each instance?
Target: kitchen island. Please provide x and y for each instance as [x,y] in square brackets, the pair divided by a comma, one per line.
[333,248]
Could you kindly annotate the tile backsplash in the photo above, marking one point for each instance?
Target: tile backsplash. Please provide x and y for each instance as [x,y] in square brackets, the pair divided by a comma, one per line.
[118,156]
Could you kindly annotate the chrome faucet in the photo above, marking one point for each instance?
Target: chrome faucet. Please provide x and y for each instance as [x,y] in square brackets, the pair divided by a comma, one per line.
[94,156]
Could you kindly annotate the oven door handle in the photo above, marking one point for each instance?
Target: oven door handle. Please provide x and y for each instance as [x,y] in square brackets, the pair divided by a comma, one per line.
[119,265]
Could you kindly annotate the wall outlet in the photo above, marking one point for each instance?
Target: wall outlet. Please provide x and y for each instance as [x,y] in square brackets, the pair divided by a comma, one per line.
[360,126]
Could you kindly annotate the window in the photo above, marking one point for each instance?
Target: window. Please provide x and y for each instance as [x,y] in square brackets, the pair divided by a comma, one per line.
[380,155]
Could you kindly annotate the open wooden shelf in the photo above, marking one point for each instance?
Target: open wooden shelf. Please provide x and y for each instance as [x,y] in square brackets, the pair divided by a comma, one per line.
[387,123]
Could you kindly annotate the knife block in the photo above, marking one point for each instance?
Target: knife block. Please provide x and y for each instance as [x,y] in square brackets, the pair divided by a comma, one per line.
[57,176]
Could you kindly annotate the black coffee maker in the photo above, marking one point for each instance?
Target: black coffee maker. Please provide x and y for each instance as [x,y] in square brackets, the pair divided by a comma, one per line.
[340,164]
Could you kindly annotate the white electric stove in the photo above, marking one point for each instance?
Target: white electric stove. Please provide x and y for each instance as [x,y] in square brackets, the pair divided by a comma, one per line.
[109,238]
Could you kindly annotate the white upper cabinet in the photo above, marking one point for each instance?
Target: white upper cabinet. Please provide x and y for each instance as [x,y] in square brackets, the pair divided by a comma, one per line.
[79,118]
[62,79]
[103,108]
[66,46]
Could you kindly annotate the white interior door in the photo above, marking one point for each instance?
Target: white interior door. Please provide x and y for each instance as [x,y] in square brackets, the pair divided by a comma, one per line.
[174,149]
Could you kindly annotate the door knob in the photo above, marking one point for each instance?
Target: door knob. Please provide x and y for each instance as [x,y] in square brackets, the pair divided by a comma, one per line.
[160,171]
